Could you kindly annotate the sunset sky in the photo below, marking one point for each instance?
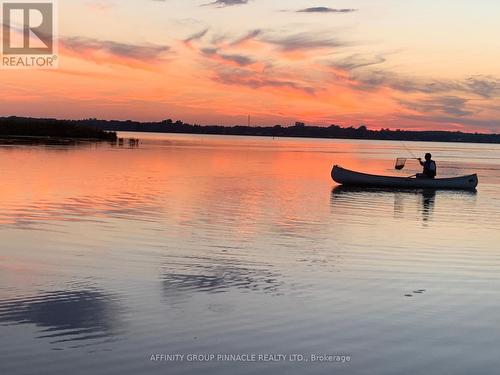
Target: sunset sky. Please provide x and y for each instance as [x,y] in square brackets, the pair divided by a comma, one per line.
[416,64]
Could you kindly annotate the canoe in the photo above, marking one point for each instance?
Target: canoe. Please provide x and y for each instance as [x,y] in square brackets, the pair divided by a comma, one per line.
[351,178]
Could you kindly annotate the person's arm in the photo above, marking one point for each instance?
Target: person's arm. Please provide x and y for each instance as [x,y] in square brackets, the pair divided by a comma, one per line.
[421,162]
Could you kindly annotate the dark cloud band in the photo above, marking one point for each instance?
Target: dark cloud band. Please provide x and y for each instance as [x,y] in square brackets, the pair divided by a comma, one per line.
[326,10]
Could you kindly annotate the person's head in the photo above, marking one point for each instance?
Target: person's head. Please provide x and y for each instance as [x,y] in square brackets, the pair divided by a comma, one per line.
[428,156]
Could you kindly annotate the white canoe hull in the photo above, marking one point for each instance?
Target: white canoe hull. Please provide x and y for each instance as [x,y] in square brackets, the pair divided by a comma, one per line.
[351,178]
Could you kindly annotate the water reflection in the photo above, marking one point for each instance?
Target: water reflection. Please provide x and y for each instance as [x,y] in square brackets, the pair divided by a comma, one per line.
[373,201]
[51,143]
[66,316]
[216,275]
[120,205]
[428,201]
[209,241]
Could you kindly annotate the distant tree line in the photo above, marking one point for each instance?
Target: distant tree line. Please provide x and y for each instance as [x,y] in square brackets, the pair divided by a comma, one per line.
[96,128]
[298,130]
[32,127]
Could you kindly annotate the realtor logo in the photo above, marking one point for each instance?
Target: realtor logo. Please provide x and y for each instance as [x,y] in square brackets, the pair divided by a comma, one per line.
[28,34]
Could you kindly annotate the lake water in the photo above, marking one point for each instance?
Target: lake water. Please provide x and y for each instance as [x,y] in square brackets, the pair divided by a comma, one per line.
[113,256]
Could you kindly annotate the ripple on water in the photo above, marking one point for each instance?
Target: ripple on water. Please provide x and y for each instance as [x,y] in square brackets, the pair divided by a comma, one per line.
[96,209]
[186,275]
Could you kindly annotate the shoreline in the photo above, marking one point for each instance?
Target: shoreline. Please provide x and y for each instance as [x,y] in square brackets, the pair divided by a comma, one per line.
[308,137]
[106,130]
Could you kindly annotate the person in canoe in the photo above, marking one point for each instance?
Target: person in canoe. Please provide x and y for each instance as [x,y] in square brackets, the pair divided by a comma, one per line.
[430,168]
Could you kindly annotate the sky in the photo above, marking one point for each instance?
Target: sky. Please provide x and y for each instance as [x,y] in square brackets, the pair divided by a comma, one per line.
[409,64]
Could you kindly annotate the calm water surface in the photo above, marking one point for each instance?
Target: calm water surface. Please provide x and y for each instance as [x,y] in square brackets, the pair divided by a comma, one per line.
[241,245]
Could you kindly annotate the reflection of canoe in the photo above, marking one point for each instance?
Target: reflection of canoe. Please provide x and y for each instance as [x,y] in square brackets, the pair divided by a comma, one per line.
[351,178]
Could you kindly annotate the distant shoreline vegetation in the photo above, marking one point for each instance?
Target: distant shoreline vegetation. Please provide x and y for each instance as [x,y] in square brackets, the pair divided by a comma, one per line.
[105,130]
[33,130]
